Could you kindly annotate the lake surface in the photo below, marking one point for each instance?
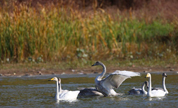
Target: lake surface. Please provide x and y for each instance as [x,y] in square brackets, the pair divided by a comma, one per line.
[38,92]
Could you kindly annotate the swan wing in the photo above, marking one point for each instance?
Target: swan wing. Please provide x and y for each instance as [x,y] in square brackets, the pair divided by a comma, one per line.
[115,79]
[136,91]
[82,88]
[90,92]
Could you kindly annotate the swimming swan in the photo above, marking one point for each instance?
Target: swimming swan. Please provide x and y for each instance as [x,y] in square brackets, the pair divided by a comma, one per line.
[92,91]
[154,92]
[139,91]
[113,80]
[164,75]
[64,94]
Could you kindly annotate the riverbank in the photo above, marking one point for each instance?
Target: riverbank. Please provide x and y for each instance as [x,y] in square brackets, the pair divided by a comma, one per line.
[87,70]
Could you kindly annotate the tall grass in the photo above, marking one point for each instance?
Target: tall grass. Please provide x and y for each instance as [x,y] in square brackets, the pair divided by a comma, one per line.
[61,34]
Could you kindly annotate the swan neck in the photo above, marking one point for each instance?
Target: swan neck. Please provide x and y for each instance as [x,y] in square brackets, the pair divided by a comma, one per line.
[60,89]
[143,88]
[149,87]
[104,71]
[100,76]
[163,84]
[57,90]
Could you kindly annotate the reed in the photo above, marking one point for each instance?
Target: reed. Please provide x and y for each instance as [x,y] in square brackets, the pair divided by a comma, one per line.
[62,34]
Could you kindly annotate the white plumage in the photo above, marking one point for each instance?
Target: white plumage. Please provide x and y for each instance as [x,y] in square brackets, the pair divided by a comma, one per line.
[154,92]
[164,75]
[64,94]
[113,80]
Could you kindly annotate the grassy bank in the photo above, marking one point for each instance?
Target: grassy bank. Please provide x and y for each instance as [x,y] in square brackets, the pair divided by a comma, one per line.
[76,67]
[62,34]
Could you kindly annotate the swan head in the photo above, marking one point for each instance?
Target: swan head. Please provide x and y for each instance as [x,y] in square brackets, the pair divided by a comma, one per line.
[55,79]
[164,75]
[97,63]
[146,83]
[148,75]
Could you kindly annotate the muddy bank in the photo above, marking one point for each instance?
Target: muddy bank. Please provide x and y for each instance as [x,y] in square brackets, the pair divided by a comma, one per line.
[43,71]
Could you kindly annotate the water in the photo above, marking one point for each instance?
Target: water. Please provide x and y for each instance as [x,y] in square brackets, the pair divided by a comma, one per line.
[38,92]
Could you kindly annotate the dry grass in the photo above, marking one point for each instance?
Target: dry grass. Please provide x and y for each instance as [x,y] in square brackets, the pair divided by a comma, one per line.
[44,31]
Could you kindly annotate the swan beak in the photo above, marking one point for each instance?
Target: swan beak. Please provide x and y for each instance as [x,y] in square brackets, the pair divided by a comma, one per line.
[51,79]
[147,75]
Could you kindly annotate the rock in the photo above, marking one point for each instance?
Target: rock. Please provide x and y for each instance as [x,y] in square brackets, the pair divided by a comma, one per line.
[63,73]
[145,71]
[39,72]
[27,74]
[81,73]
[95,72]
[172,69]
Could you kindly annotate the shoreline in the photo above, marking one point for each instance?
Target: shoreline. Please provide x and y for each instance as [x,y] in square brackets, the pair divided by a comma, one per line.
[82,71]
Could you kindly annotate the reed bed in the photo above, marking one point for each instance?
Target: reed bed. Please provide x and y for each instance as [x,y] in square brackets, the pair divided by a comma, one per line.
[62,34]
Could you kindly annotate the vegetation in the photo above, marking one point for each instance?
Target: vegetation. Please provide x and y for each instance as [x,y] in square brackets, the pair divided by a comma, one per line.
[43,34]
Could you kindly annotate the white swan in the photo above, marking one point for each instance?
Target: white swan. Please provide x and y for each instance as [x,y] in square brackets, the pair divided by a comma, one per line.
[154,92]
[139,91]
[114,80]
[64,94]
[164,75]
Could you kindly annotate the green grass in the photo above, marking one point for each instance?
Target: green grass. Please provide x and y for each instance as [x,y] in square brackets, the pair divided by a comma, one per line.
[58,34]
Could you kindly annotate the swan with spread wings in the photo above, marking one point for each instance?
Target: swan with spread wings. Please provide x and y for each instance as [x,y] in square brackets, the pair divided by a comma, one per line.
[113,80]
